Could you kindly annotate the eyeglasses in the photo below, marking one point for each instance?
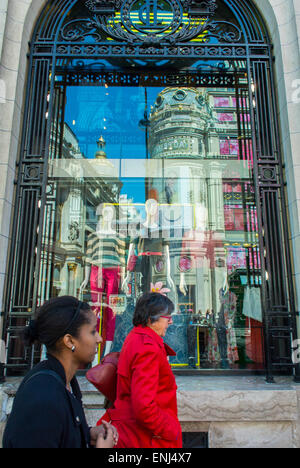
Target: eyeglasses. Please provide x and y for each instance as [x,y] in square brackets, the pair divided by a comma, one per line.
[168,317]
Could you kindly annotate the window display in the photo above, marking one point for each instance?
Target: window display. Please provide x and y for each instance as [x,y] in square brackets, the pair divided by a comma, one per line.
[162,201]
[105,264]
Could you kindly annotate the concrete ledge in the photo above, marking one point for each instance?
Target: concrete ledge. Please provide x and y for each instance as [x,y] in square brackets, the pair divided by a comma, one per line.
[238,406]
[251,435]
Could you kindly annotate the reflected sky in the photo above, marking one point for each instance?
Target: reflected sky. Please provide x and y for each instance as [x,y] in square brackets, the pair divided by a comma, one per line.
[116,113]
[120,115]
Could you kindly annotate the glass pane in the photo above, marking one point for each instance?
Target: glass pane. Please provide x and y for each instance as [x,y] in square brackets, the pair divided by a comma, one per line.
[151,189]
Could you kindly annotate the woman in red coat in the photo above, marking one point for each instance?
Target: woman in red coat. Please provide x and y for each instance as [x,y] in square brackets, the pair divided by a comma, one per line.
[145,410]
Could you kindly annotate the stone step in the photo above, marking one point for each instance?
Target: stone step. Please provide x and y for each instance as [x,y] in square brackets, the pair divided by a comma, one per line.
[92,400]
[91,397]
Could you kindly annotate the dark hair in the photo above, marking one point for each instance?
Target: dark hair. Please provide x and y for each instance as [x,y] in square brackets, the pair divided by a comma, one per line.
[56,318]
[149,306]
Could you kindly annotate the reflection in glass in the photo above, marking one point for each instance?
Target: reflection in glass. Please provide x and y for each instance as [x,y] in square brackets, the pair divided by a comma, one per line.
[151,189]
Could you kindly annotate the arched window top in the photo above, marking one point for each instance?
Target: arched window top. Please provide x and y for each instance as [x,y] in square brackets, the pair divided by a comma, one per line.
[151,22]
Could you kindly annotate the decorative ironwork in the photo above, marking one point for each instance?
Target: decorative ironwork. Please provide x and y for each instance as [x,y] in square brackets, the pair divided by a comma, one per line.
[32,173]
[152,51]
[150,22]
[130,78]
[106,7]
[201,7]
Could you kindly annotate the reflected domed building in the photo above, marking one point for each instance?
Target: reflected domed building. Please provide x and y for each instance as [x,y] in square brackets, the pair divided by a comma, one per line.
[182,125]
[185,133]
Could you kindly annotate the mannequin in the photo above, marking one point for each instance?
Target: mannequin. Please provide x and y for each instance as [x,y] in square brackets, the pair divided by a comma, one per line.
[147,250]
[200,247]
[225,326]
[105,263]
[194,246]
[223,343]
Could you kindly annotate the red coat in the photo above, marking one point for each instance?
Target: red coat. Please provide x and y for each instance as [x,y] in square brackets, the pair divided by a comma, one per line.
[145,410]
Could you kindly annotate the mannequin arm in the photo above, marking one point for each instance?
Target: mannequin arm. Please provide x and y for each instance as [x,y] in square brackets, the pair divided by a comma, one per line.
[168,260]
[183,286]
[122,274]
[126,279]
[168,266]
[130,252]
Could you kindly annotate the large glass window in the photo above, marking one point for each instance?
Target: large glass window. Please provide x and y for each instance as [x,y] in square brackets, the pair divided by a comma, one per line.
[151,188]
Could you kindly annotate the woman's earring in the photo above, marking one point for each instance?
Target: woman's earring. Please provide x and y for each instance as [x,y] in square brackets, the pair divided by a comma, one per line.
[73,349]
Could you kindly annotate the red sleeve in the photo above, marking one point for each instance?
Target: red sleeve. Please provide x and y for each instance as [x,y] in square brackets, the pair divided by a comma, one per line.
[144,387]
[105,417]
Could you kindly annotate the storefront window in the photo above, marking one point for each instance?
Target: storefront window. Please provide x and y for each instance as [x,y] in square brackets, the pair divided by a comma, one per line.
[151,189]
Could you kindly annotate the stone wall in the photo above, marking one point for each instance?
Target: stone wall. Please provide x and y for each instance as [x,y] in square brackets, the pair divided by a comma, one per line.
[3,13]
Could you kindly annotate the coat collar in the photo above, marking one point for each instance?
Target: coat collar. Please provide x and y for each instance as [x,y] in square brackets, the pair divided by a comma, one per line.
[77,411]
[56,365]
[140,330]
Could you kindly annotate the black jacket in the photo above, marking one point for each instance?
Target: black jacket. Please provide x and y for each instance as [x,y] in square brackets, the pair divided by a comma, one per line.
[45,414]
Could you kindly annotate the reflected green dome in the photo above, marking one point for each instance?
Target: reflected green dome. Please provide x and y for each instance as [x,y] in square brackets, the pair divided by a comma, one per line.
[179,97]
[181,121]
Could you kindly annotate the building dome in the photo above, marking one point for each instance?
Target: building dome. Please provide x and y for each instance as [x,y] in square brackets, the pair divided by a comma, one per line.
[179,97]
[180,122]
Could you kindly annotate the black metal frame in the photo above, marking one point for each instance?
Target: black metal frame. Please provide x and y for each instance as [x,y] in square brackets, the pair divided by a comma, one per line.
[61,41]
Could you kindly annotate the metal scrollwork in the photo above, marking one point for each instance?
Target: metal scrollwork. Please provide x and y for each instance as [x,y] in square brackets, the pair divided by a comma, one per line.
[149,22]
[103,6]
[225,31]
[204,6]
[77,30]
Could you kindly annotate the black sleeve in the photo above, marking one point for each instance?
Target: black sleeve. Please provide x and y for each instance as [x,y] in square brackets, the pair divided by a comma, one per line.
[38,416]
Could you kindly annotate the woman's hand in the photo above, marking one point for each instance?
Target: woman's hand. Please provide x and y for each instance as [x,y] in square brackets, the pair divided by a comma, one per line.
[96,431]
[109,438]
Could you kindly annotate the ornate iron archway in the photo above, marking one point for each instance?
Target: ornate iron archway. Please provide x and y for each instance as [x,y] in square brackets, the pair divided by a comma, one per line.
[147,41]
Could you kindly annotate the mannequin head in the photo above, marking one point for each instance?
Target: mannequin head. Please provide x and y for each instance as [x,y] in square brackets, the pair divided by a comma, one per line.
[108,214]
[107,218]
[151,206]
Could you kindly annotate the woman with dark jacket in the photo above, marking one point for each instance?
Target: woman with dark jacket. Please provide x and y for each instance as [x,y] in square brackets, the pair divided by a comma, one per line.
[145,410]
[47,410]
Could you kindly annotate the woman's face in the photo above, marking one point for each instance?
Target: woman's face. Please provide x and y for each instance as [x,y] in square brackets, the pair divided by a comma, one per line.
[87,343]
[161,325]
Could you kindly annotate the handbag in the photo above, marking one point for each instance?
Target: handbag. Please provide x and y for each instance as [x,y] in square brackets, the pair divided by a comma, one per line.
[104,376]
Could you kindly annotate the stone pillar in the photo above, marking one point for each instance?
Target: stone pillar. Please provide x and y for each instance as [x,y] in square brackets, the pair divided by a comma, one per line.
[3,14]
[216,202]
